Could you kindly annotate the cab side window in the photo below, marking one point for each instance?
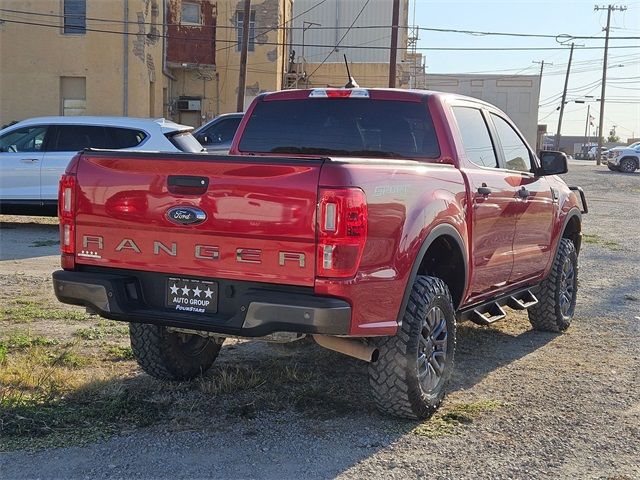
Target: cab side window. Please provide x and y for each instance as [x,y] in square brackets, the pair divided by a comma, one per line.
[475,136]
[516,153]
[27,139]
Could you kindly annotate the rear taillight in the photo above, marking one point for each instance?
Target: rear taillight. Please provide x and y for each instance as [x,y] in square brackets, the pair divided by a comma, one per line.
[66,214]
[342,231]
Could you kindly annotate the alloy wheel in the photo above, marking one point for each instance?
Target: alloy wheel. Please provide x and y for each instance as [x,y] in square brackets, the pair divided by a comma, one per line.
[567,287]
[432,349]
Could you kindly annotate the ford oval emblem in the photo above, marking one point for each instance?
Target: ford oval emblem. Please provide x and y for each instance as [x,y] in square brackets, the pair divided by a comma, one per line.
[186,215]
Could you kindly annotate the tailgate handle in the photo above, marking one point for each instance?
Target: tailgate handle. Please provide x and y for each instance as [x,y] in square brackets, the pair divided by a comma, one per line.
[187,184]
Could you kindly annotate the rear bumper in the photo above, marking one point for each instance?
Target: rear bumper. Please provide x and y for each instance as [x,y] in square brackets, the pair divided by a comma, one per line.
[246,309]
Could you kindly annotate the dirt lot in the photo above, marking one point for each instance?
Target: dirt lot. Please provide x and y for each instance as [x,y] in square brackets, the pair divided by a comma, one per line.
[522,404]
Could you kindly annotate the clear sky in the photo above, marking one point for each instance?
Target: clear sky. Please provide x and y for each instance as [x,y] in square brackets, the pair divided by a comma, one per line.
[550,18]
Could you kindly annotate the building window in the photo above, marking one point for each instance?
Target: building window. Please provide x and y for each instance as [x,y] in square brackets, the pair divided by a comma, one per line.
[73,96]
[252,30]
[75,16]
[190,13]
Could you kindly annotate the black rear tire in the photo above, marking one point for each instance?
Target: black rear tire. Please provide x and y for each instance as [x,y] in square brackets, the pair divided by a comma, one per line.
[169,355]
[558,292]
[409,378]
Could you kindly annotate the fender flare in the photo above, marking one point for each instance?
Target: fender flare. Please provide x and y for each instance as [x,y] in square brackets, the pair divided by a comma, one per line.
[573,213]
[444,229]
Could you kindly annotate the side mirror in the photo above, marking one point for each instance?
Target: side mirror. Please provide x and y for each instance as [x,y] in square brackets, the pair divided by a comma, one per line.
[552,163]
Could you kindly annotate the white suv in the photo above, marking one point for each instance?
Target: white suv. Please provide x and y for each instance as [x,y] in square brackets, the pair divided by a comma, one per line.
[34,153]
[624,159]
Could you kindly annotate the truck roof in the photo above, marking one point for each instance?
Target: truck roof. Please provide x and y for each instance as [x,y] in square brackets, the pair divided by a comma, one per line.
[386,93]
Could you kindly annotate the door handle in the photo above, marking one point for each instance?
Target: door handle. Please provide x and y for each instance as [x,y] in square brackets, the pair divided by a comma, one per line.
[29,160]
[484,190]
[524,193]
[187,184]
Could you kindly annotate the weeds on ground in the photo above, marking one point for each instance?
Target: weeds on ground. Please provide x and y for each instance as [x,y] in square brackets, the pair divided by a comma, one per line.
[450,419]
[25,310]
[597,240]
[105,328]
[55,395]
[118,353]
[50,396]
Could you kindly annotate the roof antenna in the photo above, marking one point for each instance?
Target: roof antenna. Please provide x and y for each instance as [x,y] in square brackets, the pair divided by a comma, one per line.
[352,82]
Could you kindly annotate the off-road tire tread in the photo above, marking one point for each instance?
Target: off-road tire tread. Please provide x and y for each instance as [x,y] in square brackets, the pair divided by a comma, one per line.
[545,315]
[388,379]
[156,358]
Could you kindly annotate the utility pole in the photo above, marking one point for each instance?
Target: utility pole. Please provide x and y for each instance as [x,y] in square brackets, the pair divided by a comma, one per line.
[542,64]
[564,98]
[242,79]
[585,148]
[393,55]
[610,8]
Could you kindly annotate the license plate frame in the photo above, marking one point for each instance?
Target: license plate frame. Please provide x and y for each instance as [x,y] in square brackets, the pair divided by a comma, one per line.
[190,295]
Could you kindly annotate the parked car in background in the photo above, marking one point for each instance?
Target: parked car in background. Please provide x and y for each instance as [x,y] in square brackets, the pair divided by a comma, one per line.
[592,153]
[216,136]
[34,153]
[624,159]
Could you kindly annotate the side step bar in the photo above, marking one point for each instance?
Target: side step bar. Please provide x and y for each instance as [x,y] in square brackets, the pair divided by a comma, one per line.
[492,311]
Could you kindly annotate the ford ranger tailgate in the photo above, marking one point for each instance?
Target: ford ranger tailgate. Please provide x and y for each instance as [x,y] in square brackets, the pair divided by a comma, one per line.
[244,218]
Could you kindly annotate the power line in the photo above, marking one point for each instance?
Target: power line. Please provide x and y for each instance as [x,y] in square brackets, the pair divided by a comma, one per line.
[342,38]
[362,47]
[564,37]
[282,25]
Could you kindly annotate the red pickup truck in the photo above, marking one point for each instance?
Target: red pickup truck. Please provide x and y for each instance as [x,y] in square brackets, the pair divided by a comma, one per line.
[372,219]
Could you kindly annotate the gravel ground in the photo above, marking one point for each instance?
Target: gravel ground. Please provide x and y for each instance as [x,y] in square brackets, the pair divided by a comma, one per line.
[569,405]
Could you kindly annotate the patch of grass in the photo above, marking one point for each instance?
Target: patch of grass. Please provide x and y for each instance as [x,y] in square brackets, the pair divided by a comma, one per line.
[90,333]
[49,398]
[597,240]
[118,353]
[611,245]
[3,353]
[102,330]
[22,339]
[26,310]
[450,419]
[69,359]
[586,238]
[45,243]
[230,379]
[30,420]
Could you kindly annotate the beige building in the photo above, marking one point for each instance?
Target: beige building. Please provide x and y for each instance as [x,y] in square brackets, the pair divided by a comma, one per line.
[52,64]
[147,58]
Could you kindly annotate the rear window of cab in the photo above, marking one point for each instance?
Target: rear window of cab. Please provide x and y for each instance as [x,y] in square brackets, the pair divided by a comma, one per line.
[341,126]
